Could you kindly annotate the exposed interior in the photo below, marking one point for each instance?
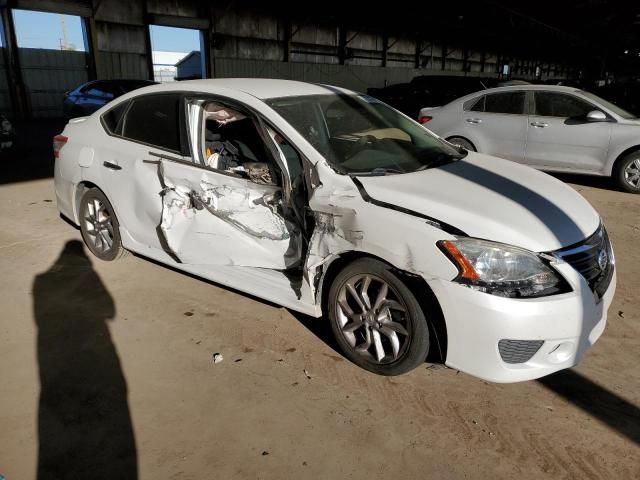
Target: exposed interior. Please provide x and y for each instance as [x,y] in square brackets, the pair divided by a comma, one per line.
[231,141]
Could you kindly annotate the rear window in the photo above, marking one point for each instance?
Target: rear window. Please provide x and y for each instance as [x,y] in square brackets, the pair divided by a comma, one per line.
[154,120]
[504,102]
[112,120]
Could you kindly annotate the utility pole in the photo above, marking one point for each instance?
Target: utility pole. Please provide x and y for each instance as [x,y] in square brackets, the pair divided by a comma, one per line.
[63,27]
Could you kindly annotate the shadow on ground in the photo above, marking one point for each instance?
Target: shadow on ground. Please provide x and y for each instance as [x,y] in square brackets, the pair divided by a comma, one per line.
[84,424]
[603,183]
[600,403]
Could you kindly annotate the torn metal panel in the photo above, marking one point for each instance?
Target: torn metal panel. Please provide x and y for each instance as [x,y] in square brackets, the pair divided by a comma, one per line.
[347,222]
[211,218]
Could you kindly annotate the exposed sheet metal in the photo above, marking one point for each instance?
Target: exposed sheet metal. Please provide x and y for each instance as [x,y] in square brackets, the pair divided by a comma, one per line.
[209,218]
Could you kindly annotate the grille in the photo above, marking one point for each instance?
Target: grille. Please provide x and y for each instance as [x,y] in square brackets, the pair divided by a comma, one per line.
[593,259]
[518,351]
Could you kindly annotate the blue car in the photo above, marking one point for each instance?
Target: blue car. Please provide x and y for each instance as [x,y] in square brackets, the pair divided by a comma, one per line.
[91,96]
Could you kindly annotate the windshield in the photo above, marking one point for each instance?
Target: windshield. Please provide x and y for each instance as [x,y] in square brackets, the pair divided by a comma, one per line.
[360,135]
[610,106]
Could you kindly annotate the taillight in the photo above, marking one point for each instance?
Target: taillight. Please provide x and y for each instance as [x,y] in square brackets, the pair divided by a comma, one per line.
[58,142]
[424,119]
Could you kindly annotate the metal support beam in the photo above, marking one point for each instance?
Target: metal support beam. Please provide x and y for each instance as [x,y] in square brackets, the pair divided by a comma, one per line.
[443,57]
[465,58]
[148,49]
[17,88]
[88,34]
[418,51]
[286,41]
[483,59]
[342,44]
[385,49]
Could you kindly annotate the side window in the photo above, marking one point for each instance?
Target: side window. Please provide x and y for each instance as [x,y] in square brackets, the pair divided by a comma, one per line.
[551,104]
[289,155]
[233,143]
[475,104]
[112,120]
[507,102]
[155,120]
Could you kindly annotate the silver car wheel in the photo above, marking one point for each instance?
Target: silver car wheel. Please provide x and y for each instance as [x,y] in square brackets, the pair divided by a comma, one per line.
[373,318]
[632,173]
[461,142]
[98,225]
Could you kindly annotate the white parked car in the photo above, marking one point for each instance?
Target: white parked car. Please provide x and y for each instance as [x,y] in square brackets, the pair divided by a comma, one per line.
[331,203]
[551,128]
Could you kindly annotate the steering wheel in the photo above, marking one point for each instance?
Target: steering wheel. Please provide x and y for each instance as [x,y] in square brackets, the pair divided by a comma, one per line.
[363,142]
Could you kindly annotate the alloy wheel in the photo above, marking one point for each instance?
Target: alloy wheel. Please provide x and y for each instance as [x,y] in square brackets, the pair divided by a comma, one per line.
[373,318]
[99,225]
[632,173]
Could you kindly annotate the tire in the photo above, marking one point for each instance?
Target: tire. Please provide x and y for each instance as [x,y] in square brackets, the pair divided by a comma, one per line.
[398,314]
[627,172]
[99,226]
[462,142]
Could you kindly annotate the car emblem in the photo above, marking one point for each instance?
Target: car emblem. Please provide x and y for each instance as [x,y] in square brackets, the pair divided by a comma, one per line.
[603,259]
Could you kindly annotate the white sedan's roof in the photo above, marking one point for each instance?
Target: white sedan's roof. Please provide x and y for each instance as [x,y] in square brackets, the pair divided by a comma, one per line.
[551,88]
[506,88]
[262,88]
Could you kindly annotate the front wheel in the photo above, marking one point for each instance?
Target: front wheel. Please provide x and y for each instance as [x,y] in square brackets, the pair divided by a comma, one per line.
[462,142]
[376,319]
[627,173]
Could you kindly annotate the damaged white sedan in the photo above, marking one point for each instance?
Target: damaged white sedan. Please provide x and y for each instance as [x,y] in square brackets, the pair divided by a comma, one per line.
[331,203]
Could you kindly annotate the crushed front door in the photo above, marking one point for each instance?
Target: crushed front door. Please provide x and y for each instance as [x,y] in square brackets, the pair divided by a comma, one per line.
[213,218]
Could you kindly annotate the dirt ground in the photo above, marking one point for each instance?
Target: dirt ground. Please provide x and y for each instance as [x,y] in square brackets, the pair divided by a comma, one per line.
[135,340]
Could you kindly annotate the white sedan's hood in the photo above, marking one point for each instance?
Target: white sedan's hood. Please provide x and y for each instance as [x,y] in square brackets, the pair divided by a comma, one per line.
[494,199]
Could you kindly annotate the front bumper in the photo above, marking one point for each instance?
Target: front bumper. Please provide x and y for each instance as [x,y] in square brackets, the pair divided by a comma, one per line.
[568,324]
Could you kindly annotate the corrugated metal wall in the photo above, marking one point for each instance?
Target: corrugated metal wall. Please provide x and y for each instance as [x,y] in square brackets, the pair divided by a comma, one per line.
[245,42]
[48,74]
[354,77]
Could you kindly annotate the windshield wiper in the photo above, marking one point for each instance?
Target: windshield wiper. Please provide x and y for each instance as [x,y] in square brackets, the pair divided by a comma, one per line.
[378,171]
[442,159]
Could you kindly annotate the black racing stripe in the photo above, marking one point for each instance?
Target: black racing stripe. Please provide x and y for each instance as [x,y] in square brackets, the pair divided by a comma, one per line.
[443,226]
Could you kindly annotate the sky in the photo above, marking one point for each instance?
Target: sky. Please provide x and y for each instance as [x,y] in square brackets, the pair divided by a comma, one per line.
[170,39]
[44,30]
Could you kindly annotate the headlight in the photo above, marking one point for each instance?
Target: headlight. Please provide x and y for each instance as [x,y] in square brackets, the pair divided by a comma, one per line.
[501,269]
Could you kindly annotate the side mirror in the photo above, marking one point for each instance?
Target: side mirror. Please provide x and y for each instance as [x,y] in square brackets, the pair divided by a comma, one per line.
[596,116]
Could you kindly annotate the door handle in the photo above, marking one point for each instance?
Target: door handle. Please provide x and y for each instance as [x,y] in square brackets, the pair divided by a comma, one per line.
[539,124]
[473,120]
[111,166]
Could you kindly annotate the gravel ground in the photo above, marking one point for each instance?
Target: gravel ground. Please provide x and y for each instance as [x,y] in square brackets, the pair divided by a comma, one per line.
[117,359]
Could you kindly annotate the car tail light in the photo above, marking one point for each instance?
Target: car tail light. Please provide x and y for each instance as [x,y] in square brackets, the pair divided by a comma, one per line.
[58,142]
[424,119]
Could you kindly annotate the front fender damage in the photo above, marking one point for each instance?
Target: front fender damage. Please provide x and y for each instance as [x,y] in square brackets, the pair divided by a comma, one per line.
[345,223]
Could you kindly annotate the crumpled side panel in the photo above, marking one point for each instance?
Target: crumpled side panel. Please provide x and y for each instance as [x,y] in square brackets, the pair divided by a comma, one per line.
[345,222]
[208,218]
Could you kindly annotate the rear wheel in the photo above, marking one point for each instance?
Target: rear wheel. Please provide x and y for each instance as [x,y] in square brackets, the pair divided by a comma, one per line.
[99,226]
[376,319]
[627,173]
[462,142]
